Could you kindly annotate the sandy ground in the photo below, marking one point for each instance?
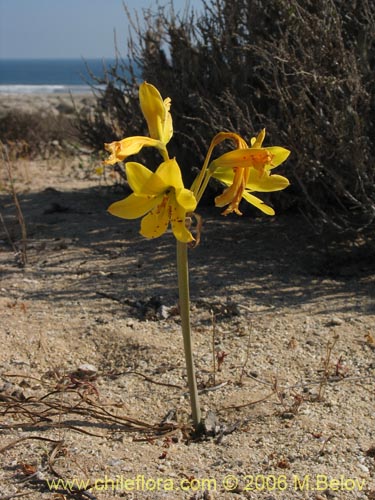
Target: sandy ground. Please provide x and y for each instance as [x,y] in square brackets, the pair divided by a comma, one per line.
[56,103]
[92,377]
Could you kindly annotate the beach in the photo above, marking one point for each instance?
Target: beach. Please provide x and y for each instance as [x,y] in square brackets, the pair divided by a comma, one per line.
[55,103]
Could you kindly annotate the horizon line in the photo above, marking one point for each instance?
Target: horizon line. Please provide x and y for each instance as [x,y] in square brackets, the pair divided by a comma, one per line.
[51,58]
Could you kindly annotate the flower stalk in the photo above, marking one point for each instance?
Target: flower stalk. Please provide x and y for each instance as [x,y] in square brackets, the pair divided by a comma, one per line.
[184,302]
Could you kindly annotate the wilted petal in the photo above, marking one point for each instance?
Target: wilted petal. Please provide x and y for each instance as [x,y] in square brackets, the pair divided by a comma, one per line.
[168,124]
[130,146]
[113,148]
[232,195]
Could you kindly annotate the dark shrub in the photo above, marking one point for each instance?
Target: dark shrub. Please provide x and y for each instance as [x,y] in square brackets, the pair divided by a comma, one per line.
[29,134]
[302,69]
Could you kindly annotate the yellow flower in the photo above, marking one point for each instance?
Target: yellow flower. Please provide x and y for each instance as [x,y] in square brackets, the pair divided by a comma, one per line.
[245,170]
[156,112]
[159,197]
[159,122]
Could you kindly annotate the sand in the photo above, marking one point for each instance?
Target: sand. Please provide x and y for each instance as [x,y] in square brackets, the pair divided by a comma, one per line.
[92,376]
[54,103]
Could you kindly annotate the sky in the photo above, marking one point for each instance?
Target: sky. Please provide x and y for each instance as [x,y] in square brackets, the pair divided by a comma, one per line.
[32,29]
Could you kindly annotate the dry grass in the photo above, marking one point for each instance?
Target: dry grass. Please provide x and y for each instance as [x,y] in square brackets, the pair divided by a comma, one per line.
[19,248]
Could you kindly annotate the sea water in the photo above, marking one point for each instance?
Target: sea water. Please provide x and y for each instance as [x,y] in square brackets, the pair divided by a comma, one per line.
[49,76]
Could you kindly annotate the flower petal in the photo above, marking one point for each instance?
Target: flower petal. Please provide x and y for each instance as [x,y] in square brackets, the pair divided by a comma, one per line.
[186,199]
[242,158]
[258,203]
[279,155]
[155,223]
[266,182]
[169,174]
[256,142]
[178,222]
[156,112]
[133,206]
[137,175]
[152,107]
[224,174]
[251,157]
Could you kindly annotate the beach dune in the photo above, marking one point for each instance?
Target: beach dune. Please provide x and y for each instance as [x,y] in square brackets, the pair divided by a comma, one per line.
[56,103]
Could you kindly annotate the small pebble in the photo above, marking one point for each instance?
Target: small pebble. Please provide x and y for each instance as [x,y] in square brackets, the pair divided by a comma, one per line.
[334,321]
[113,462]
[363,468]
[87,369]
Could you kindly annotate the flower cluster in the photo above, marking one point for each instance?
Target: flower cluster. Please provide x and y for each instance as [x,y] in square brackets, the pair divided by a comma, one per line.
[160,197]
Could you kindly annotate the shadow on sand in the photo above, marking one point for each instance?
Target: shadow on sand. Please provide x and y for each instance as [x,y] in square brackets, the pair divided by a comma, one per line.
[82,251]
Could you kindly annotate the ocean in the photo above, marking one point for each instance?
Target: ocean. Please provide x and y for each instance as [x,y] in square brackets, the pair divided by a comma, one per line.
[49,76]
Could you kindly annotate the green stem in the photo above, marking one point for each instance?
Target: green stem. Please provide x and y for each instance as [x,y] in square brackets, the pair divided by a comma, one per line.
[183,290]
[164,153]
[203,186]
[201,181]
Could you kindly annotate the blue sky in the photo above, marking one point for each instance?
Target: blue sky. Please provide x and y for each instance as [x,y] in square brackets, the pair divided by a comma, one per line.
[69,28]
